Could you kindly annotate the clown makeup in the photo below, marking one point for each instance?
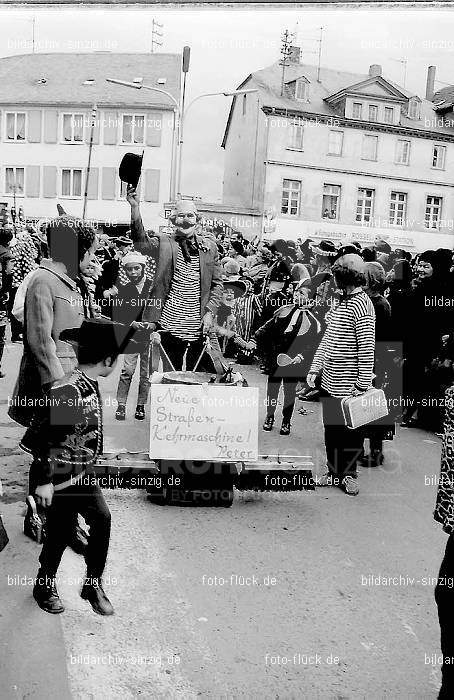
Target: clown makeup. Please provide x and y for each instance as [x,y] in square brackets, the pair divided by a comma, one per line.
[134,272]
[185,219]
[300,296]
[228,296]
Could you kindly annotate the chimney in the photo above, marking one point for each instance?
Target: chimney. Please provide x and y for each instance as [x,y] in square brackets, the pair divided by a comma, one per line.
[430,85]
[294,54]
[374,70]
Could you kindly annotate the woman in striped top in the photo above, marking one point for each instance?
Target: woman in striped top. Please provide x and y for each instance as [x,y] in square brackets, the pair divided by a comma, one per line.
[344,363]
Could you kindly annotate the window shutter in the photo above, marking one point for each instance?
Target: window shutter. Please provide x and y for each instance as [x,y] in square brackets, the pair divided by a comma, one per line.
[34,126]
[110,128]
[50,126]
[152,185]
[49,181]
[92,192]
[109,179]
[154,128]
[32,173]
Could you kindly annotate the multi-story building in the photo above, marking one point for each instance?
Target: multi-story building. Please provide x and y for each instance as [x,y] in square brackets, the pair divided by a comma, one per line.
[328,154]
[46,103]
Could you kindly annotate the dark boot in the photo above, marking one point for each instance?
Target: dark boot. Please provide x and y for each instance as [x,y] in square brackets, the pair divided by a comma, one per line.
[140,412]
[120,413]
[46,595]
[268,424]
[93,591]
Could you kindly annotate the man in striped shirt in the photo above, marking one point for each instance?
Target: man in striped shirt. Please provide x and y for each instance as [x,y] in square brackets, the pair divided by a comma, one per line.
[187,287]
[344,364]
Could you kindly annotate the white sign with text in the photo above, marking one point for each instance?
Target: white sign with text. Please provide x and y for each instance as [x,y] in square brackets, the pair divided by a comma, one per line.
[204,422]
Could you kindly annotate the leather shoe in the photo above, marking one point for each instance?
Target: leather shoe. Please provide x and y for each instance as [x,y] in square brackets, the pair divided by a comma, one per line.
[268,424]
[93,591]
[46,595]
[120,413]
[140,412]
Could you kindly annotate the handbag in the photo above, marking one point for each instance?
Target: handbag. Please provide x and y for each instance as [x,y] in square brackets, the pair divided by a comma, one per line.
[365,408]
[35,521]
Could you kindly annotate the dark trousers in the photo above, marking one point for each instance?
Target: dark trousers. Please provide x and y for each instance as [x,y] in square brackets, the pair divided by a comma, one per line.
[343,445]
[272,392]
[444,597]
[16,326]
[176,348]
[2,342]
[66,504]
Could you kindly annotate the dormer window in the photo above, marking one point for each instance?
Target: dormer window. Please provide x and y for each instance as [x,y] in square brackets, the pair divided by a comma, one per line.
[373,113]
[357,110]
[414,108]
[301,90]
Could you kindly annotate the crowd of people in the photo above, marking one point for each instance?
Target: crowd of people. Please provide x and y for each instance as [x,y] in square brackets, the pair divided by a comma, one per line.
[325,321]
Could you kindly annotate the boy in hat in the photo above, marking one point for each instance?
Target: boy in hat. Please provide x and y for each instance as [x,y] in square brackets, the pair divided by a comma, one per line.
[128,309]
[65,445]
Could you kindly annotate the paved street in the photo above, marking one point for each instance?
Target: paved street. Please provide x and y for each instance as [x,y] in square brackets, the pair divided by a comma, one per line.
[281,596]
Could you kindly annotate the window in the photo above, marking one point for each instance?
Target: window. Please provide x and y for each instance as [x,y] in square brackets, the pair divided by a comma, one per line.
[389,115]
[291,192]
[14,180]
[357,110]
[244,104]
[365,205]
[335,142]
[402,152]
[373,113]
[71,183]
[295,136]
[398,208]
[73,128]
[413,108]
[133,128]
[433,212]
[369,151]
[330,204]
[301,90]
[438,157]
[15,126]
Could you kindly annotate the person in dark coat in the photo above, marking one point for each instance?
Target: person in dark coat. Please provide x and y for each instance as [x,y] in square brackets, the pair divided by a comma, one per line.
[427,316]
[293,331]
[381,429]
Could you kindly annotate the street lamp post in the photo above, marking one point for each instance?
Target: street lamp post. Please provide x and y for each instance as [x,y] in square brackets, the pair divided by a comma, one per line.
[181,117]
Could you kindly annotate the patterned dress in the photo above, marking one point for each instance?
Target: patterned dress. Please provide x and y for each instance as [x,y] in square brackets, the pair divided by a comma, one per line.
[444,507]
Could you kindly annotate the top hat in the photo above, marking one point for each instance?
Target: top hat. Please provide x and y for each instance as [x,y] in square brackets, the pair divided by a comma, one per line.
[106,338]
[325,248]
[131,168]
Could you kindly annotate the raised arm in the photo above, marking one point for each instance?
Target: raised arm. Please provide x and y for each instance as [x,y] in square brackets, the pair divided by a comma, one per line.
[145,244]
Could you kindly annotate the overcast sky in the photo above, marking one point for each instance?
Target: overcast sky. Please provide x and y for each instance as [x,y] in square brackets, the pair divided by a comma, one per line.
[228,44]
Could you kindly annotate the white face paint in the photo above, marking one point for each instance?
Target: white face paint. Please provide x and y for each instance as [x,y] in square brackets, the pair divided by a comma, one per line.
[185,219]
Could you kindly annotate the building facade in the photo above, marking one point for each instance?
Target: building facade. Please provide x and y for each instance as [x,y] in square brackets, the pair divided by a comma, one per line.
[341,156]
[48,119]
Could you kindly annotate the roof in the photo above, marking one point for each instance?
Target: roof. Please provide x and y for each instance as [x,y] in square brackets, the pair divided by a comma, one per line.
[268,81]
[21,78]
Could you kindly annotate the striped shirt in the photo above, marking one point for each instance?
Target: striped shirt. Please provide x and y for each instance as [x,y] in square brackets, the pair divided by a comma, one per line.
[345,356]
[181,314]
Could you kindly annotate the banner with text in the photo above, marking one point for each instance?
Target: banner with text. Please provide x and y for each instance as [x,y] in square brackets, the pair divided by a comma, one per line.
[204,422]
